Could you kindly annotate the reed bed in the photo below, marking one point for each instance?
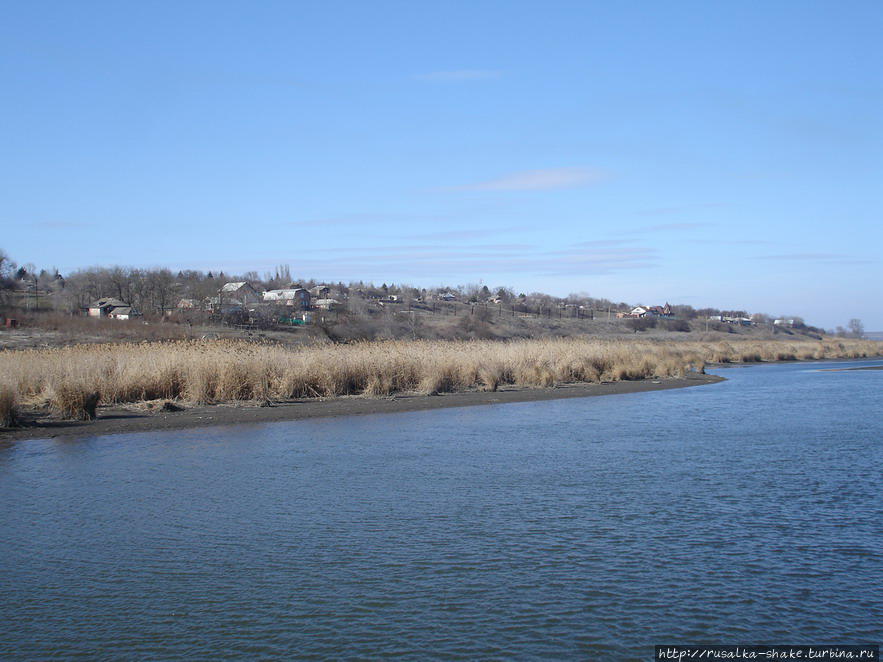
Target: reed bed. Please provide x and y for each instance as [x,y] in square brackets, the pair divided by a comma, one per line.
[204,372]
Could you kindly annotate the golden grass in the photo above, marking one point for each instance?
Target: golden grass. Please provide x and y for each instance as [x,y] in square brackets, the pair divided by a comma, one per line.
[216,371]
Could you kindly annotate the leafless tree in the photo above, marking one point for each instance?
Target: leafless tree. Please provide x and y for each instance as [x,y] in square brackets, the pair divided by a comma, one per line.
[856,328]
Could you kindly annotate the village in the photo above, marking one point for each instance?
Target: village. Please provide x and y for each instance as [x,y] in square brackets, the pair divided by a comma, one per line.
[344,312]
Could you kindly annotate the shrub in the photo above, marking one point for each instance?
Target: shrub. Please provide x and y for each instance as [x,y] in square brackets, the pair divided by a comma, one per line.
[8,407]
[75,401]
[676,325]
[641,323]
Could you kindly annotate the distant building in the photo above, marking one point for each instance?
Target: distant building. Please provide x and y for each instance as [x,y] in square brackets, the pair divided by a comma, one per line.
[784,322]
[241,291]
[326,304]
[446,296]
[112,308]
[224,305]
[660,311]
[647,311]
[123,313]
[320,291]
[297,297]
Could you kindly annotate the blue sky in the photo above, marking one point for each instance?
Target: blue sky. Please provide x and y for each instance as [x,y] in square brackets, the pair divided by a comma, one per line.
[718,154]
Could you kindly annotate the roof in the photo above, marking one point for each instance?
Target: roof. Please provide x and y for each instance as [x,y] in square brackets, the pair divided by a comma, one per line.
[105,302]
[325,302]
[233,287]
[284,294]
[121,310]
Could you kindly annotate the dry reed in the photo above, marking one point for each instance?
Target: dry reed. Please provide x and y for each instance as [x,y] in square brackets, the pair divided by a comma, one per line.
[8,407]
[216,371]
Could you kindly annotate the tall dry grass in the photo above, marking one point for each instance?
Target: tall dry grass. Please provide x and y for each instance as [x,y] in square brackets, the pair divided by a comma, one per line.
[8,407]
[216,371]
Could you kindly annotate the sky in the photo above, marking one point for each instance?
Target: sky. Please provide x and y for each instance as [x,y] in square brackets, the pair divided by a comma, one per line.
[724,154]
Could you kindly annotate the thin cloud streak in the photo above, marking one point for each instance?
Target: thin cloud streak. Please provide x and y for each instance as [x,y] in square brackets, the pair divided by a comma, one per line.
[668,227]
[679,209]
[472,234]
[824,258]
[61,225]
[733,242]
[475,261]
[548,179]
[366,219]
[460,75]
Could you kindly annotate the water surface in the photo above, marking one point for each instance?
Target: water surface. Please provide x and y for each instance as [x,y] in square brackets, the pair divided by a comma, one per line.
[742,512]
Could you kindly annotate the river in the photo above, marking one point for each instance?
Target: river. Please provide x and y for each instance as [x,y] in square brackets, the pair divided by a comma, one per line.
[748,511]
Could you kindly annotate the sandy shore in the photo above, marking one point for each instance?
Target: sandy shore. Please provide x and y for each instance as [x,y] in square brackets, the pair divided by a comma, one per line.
[118,419]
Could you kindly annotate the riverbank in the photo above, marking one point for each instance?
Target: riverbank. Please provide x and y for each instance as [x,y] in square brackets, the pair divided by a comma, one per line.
[54,388]
[121,419]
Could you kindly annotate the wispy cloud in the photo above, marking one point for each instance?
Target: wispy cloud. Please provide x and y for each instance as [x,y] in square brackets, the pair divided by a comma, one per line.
[602,242]
[825,258]
[679,209]
[461,75]
[537,180]
[472,234]
[667,227]
[366,219]
[470,261]
[61,225]
[732,242]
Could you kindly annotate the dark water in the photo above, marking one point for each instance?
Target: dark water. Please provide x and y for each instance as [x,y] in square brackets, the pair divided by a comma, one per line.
[744,512]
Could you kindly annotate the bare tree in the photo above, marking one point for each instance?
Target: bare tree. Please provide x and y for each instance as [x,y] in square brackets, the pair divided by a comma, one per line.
[856,328]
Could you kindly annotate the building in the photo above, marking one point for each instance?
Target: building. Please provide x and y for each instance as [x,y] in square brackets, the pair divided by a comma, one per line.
[113,308]
[241,291]
[122,313]
[661,311]
[647,311]
[320,292]
[297,297]
[326,304]
[224,305]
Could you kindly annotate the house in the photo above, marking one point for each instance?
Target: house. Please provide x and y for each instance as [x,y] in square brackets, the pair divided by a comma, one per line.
[446,296]
[784,322]
[326,304]
[110,307]
[187,304]
[122,313]
[224,305]
[241,291]
[661,311]
[320,291]
[647,311]
[297,297]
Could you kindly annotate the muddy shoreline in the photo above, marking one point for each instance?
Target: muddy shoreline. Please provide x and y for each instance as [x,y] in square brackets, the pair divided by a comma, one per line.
[127,419]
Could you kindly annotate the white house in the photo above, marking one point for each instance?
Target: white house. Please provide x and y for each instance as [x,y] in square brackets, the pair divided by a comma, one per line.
[297,297]
[112,308]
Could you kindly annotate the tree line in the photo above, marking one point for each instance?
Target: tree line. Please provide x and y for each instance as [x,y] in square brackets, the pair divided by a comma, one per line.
[160,289]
